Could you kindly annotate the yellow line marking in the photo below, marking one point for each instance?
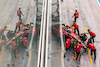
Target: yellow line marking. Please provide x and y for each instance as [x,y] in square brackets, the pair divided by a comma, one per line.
[6,38]
[75,56]
[8,28]
[17,54]
[59,50]
[90,57]
[61,55]
[73,28]
[88,50]
[61,58]
[30,56]
[32,48]
[85,30]
[1,54]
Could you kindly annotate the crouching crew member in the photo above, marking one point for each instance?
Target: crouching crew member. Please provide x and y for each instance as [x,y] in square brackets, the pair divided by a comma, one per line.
[78,48]
[93,49]
[2,42]
[2,31]
[67,44]
[92,35]
[14,47]
[25,42]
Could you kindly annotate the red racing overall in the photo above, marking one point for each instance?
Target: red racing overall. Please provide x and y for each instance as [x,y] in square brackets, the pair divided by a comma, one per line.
[78,48]
[25,42]
[93,49]
[14,47]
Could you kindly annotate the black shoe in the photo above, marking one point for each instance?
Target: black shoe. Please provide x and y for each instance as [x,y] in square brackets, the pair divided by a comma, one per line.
[64,56]
[13,64]
[76,58]
[8,65]
[94,60]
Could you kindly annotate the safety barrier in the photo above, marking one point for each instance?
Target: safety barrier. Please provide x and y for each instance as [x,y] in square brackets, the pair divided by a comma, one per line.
[48,37]
[31,53]
[43,51]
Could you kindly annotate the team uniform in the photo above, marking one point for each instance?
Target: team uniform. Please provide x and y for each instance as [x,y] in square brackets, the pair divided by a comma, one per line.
[67,44]
[93,49]
[14,47]
[76,27]
[93,35]
[68,41]
[78,48]
[18,25]
[2,32]
[76,16]
[2,42]
[25,42]
[19,14]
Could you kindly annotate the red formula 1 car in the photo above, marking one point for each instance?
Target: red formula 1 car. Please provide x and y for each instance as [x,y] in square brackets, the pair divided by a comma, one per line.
[66,31]
[25,30]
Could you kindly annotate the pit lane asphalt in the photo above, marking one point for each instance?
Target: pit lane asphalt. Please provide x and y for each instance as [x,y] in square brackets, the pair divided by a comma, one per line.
[8,14]
[89,16]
